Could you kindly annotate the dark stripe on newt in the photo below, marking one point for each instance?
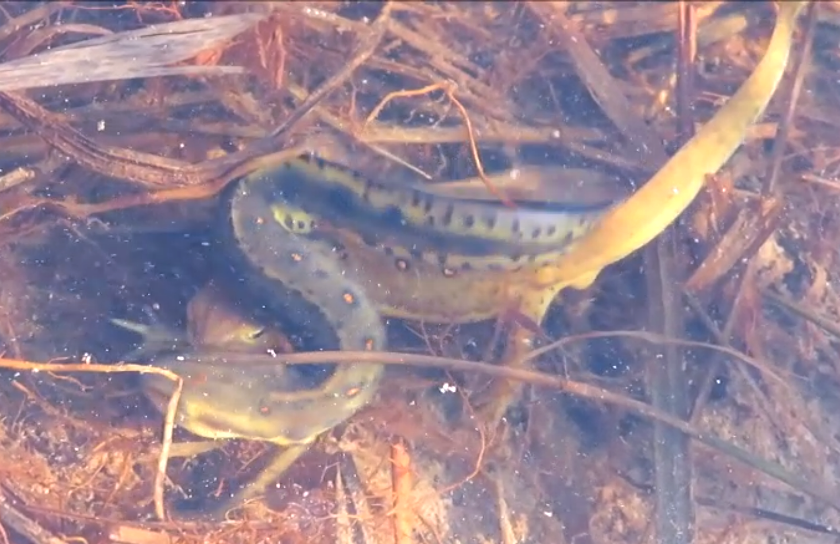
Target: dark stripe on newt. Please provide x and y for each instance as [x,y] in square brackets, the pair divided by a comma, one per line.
[342,207]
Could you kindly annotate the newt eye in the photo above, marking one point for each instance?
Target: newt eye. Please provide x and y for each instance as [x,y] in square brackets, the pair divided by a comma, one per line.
[264,408]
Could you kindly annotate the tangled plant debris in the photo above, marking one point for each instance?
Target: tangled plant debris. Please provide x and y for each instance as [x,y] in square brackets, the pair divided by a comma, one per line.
[105,162]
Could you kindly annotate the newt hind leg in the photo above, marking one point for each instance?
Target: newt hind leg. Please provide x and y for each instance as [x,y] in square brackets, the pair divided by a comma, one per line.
[524,316]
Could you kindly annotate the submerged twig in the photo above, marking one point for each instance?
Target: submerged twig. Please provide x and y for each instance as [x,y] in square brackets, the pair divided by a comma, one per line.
[601,84]
[666,374]
[13,518]
[367,46]
[146,52]
[802,63]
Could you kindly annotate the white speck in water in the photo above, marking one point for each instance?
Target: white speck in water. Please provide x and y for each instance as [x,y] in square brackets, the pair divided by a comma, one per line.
[100,125]
[447,388]
[516,173]
[555,134]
